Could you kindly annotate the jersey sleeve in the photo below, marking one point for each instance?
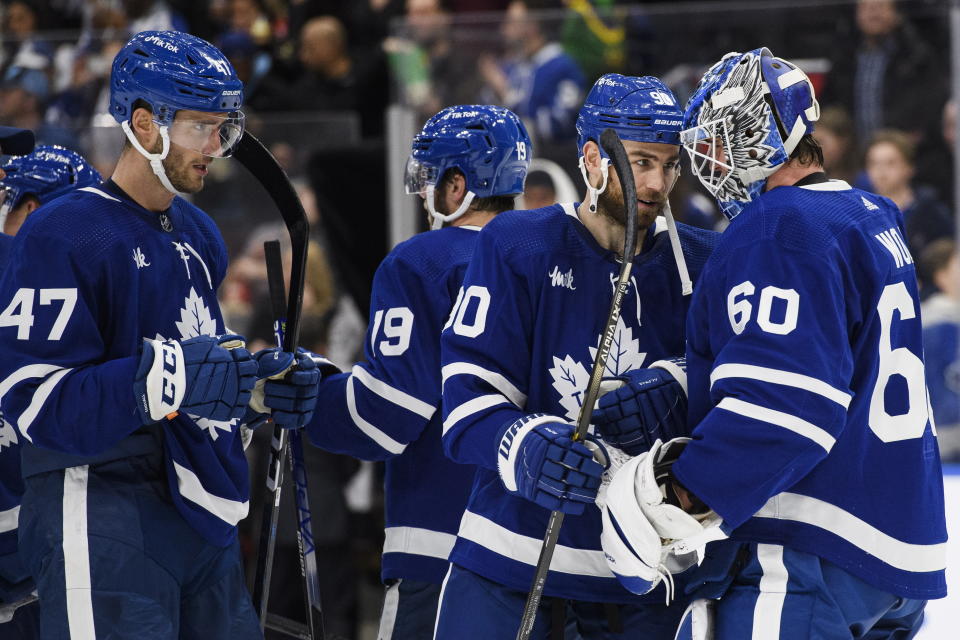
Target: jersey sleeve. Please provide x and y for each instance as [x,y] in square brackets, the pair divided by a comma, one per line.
[779,386]
[384,403]
[57,386]
[485,350]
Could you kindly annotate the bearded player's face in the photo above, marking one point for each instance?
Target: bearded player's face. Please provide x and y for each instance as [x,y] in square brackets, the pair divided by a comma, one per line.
[655,169]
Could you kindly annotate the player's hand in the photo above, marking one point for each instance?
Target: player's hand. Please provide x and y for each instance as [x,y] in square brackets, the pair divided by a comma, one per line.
[539,460]
[287,387]
[650,405]
[207,376]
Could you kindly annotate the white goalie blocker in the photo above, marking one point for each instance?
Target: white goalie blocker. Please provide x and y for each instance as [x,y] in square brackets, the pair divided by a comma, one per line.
[645,539]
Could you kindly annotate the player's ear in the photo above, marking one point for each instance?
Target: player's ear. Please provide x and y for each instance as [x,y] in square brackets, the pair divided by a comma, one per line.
[141,121]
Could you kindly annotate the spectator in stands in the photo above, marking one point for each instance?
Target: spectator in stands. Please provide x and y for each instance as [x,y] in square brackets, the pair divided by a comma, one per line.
[430,71]
[153,15]
[941,325]
[888,75]
[890,168]
[23,95]
[328,78]
[23,48]
[835,134]
[935,155]
[539,82]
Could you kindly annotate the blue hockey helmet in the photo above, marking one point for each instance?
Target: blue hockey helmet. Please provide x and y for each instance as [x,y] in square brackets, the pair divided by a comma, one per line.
[637,108]
[173,71]
[744,120]
[488,144]
[640,109]
[46,173]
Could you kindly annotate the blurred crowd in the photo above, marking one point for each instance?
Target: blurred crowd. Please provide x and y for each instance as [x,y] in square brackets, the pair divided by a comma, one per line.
[320,75]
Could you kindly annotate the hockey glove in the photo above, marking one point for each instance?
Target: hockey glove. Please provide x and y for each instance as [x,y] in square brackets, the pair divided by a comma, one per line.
[207,376]
[287,388]
[651,405]
[539,460]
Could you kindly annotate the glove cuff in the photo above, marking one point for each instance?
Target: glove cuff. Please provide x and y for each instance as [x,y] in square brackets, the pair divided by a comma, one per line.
[510,442]
[677,368]
[160,380]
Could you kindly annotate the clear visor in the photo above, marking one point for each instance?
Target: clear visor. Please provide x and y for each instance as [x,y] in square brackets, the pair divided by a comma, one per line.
[4,195]
[419,176]
[707,146]
[210,134]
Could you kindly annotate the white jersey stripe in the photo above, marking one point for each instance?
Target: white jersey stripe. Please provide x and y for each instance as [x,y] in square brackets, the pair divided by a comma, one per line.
[190,487]
[36,402]
[780,419]
[100,193]
[470,407]
[394,395]
[388,614]
[21,374]
[494,379]
[500,540]
[773,591]
[9,519]
[76,554]
[368,429]
[902,555]
[778,376]
[417,541]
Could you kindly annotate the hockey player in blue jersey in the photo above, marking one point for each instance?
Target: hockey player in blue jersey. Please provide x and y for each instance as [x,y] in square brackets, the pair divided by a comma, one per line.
[813,439]
[516,357]
[26,182]
[467,163]
[118,377]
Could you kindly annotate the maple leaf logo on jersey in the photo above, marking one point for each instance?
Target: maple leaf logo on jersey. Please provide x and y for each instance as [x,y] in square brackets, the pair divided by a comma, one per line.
[570,377]
[195,320]
[570,380]
[8,437]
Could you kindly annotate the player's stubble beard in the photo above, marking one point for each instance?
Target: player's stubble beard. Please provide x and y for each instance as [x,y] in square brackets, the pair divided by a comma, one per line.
[178,170]
[610,205]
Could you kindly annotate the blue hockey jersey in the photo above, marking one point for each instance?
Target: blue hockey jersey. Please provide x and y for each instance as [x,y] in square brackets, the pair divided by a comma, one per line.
[386,408]
[522,340]
[548,91]
[805,374]
[90,275]
[11,484]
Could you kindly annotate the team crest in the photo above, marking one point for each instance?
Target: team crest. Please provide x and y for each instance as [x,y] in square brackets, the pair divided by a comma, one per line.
[8,437]
[570,376]
[196,320]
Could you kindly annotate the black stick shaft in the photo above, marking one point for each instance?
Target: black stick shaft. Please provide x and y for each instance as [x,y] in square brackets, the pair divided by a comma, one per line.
[614,148]
[263,166]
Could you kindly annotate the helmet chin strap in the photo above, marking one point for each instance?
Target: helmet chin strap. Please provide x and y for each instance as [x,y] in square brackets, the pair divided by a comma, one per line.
[155,159]
[439,218]
[592,192]
[4,212]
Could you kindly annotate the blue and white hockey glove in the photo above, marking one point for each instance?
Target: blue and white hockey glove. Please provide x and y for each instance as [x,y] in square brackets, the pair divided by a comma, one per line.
[539,460]
[650,405]
[207,376]
[287,386]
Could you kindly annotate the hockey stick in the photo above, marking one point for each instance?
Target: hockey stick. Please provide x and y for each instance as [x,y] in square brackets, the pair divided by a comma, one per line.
[257,159]
[614,148]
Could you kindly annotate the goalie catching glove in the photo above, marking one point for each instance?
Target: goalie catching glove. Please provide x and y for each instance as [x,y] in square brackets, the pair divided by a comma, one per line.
[206,376]
[539,460]
[644,405]
[646,536]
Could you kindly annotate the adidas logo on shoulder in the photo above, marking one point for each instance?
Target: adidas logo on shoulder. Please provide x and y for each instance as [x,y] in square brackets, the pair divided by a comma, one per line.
[869,205]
